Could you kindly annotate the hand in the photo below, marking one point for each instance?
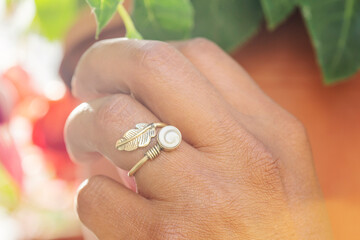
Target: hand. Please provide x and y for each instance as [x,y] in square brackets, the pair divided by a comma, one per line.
[243,171]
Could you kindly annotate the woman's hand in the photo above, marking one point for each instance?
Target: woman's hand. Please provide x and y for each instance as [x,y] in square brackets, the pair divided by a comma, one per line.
[243,171]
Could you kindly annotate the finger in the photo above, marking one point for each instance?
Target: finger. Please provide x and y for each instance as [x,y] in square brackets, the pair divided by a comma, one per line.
[228,77]
[260,113]
[161,78]
[104,167]
[93,129]
[238,88]
[112,211]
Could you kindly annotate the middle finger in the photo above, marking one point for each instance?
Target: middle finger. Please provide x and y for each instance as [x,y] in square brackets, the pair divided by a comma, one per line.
[162,79]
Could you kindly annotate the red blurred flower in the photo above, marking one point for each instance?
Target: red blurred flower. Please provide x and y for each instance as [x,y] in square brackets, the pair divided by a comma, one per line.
[21,82]
[18,98]
[48,134]
[9,156]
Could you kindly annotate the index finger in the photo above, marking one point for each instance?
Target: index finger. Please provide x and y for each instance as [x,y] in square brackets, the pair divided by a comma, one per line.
[161,78]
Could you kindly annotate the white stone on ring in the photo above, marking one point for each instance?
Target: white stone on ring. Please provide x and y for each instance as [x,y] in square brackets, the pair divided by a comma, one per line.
[169,137]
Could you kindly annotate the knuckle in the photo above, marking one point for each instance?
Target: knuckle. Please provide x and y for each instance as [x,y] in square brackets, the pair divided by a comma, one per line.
[225,131]
[263,169]
[73,121]
[75,90]
[81,90]
[78,89]
[295,130]
[88,197]
[298,128]
[155,53]
[201,45]
[99,46]
[71,118]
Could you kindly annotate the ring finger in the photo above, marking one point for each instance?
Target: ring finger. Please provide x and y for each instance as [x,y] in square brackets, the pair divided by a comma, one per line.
[94,127]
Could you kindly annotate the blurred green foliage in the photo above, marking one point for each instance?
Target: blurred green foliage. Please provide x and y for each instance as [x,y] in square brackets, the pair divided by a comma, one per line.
[104,11]
[54,17]
[164,19]
[334,26]
[276,11]
[228,23]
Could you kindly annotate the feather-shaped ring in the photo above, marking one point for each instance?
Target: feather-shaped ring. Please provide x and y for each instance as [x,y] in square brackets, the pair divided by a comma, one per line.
[169,138]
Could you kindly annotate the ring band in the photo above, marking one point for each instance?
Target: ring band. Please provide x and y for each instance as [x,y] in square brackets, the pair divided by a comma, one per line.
[169,138]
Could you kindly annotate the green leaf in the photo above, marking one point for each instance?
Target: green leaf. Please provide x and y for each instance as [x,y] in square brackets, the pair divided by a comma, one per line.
[104,10]
[334,27]
[163,19]
[228,23]
[276,11]
[131,31]
[54,17]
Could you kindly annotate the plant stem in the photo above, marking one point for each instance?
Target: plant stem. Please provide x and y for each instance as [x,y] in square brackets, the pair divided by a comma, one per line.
[131,31]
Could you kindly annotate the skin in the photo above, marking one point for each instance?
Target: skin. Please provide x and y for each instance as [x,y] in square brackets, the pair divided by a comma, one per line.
[243,171]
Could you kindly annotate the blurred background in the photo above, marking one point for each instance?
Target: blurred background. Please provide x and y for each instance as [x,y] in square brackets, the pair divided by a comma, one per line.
[40,44]
[37,178]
